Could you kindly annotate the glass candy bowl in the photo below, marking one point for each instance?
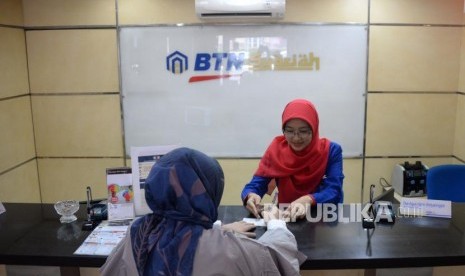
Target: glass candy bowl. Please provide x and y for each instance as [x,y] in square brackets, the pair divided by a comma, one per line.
[66,209]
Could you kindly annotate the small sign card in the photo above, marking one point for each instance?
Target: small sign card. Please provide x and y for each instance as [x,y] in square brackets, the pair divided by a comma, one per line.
[425,207]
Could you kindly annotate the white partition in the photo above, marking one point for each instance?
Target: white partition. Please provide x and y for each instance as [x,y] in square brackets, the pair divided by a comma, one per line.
[221,89]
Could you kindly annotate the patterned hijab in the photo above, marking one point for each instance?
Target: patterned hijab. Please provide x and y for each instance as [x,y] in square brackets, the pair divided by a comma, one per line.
[183,189]
[298,173]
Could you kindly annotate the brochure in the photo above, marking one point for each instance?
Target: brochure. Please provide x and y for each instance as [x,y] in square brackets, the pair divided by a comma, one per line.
[104,238]
[120,193]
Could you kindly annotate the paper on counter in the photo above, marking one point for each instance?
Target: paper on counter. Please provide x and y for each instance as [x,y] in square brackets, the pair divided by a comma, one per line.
[257,222]
[2,208]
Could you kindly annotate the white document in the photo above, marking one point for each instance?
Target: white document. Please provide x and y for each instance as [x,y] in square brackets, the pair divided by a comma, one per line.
[425,207]
[142,160]
[257,222]
[2,208]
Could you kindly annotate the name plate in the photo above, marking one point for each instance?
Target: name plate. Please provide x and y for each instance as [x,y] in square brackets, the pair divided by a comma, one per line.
[425,207]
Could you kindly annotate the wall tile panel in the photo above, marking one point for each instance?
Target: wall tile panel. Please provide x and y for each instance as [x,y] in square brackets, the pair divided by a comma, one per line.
[20,184]
[67,61]
[416,11]
[12,12]
[78,126]
[414,58]
[13,65]
[327,11]
[459,145]
[17,138]
[410,124]
[69,12]
[62,178]
[145,12]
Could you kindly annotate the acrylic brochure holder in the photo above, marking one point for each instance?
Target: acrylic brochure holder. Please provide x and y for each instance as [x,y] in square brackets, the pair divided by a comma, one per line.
[142,160]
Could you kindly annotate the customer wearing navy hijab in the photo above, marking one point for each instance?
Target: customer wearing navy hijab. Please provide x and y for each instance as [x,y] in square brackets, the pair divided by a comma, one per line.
[184,189]
[166,240]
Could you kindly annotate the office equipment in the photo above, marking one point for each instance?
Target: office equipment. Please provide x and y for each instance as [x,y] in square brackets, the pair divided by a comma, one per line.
[381,209]
[409,179]
[369,223]
[99,211]
[386,195]
[384,212]
[227,9]
[96,212]
[88,225]
[446,182]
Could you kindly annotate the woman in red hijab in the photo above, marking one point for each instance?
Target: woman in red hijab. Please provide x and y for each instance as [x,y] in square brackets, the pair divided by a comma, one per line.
[307,169]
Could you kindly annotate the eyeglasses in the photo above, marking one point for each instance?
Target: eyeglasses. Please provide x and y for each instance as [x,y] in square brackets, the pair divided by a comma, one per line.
[302,133]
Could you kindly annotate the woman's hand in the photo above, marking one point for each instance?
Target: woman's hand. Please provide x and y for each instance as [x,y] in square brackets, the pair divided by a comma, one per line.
[241,227]
[298,208]
[271,212]
[253,204]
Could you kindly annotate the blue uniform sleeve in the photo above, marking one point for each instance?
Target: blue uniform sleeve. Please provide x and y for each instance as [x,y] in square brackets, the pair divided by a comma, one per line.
[258,185]
[330,189]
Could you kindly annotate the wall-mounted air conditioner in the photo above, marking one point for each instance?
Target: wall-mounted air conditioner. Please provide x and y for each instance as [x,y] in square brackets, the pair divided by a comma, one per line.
[236,9]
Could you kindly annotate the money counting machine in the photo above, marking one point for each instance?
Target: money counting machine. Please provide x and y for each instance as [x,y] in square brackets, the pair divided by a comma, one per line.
[409,179]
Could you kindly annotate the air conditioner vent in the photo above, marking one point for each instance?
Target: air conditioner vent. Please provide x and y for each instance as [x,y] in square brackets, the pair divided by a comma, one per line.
[241,9]
[234,14]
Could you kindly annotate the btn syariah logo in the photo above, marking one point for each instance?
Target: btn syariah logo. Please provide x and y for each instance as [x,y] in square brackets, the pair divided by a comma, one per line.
[228,65]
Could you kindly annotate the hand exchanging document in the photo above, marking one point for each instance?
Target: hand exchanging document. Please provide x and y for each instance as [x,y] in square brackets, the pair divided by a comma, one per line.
[240,227]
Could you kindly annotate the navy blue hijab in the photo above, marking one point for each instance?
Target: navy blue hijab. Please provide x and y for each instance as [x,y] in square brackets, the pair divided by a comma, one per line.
[183,189]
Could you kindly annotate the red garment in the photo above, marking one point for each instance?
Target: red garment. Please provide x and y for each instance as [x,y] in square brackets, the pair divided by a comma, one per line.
[298,173]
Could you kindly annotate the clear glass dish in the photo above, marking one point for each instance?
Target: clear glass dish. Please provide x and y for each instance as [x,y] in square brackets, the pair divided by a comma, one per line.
[66,209]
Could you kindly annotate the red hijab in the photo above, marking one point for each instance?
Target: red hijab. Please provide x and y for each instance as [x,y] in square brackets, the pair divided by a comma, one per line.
[298,173]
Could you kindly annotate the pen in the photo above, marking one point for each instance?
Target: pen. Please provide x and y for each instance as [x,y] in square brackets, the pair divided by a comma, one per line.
[89,199]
